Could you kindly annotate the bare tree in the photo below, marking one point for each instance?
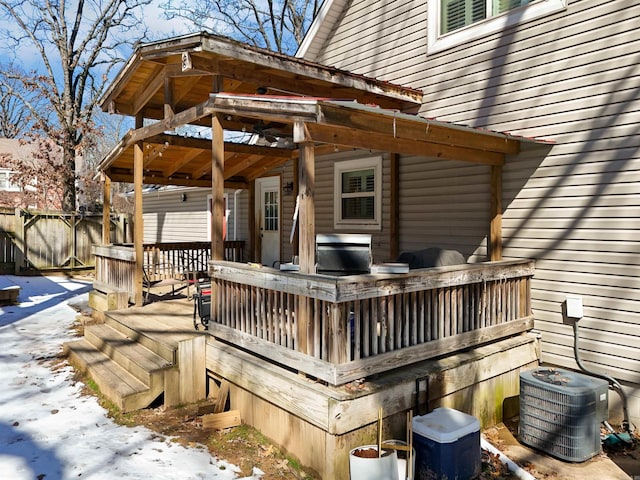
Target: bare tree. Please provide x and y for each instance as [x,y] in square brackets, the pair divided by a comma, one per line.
[103,140]
[76,44]
[14,116]
[278,25]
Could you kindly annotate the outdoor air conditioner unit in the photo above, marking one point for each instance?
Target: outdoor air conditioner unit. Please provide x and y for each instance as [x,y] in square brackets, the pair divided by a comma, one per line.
[561,412]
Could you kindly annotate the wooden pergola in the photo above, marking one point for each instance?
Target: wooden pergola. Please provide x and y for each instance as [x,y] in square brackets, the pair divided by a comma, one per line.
[310,109]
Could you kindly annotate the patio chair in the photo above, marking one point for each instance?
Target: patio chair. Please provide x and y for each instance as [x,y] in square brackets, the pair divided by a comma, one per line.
[159,274]
[202,305]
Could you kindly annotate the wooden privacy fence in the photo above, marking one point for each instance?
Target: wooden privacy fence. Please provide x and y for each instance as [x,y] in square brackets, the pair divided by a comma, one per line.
[43,241]
[340,329]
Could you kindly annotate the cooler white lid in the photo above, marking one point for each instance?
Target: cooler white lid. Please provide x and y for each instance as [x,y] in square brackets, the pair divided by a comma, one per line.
[445,425]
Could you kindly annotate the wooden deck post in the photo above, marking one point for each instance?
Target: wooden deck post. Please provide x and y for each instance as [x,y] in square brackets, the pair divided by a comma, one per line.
[217,188]
[254,245]
[495,229]
[138,226]
[306,211]
[306,229]
[106,210]
[19,241]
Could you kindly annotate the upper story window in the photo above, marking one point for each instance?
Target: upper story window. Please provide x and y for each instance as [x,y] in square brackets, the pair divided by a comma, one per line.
[358,193]
[453,22]
[460,13]
[5,182]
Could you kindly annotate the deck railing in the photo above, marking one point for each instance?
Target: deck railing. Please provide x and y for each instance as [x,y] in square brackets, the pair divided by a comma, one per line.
[339,329]
[115,264]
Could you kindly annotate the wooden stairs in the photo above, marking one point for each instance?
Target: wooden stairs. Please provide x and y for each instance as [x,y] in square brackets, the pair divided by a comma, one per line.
[133,356]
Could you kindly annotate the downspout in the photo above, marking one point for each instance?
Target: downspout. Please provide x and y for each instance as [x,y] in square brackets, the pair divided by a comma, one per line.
[235,213]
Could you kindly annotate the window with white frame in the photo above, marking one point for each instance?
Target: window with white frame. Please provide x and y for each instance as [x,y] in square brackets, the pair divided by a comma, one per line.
[5,181]
[358,193]
[457,21]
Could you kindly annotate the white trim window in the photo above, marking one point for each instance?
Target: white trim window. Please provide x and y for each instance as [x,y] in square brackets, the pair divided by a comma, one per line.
[5,181]
[454,22]
[358,194]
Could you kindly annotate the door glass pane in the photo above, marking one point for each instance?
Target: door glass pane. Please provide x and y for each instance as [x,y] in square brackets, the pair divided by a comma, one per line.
[271,211]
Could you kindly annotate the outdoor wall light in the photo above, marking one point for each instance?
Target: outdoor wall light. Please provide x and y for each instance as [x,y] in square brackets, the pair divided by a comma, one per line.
[287,188]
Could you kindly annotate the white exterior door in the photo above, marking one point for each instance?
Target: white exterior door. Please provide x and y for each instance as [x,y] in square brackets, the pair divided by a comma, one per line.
[268,212]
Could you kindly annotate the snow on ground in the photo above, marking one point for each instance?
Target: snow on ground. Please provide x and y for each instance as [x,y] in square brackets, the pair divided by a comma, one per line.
[48,430]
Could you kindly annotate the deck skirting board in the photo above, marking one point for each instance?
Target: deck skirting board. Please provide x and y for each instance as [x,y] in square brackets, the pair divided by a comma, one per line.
[282,404]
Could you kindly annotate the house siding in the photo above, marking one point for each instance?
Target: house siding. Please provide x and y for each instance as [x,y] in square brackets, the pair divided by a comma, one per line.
[573,78]
[444,204]
[288,206]
[371,32]
[169,219]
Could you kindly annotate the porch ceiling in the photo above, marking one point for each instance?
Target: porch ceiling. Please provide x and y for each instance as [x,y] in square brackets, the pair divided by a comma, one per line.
[329,124]
[175,160]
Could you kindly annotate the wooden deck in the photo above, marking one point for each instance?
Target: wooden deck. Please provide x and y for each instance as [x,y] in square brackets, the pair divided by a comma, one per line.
[315,421]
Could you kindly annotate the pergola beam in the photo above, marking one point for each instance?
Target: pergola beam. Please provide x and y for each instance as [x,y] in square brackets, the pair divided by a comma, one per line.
[416,129]
[148,90]
[180,182]
[329,126]
[387,143]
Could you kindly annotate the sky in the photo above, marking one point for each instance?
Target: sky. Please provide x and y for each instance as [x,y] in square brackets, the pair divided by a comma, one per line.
[152,16]
[48,429]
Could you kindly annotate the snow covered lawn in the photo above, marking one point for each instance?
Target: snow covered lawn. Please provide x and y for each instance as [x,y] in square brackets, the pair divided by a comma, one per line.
[48,430]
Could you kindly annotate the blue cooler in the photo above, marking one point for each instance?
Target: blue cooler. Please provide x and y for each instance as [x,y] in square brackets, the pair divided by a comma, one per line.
[447,444]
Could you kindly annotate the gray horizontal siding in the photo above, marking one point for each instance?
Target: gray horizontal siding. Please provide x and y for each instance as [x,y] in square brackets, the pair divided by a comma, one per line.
[443,204]
[169,219]
[288,206]
[572,78]
[370,32]
[240,229]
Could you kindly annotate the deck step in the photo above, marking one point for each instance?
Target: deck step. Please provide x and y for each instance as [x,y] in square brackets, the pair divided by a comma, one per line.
[125,390]
[129,327]
[126,352]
